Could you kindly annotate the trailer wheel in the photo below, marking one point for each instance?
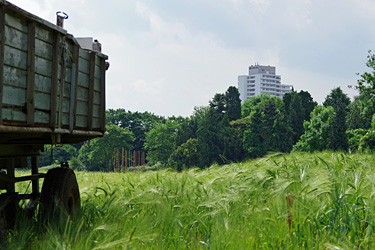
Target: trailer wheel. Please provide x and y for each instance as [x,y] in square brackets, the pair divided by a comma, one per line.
[60,194]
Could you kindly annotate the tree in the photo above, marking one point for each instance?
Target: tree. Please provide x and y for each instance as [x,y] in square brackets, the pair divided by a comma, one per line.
[295,113]
[356,118]
[218,104]
[231,146]
[97,154]
[269,114]
[58,154]
[367,82]
[337,136]
[308,104]
[269,129]
[208,136]
[253,140]
[366,87]
[186,155]
[186,131]
[160,142]
[228,103]
[136,122]
[317,130]
[259,102]
[233,103]
[282,139]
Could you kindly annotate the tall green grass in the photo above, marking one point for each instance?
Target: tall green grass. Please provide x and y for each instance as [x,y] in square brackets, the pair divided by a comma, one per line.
[236,206]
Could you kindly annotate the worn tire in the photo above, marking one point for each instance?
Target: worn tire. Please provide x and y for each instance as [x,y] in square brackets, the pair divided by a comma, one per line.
[60,194]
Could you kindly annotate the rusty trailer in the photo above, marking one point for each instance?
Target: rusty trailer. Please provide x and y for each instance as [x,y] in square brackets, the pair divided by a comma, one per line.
[52,91]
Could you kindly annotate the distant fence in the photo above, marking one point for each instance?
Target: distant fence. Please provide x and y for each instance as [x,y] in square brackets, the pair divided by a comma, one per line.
[128,160]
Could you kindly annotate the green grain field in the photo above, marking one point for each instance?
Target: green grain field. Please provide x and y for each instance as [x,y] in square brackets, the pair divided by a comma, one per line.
[293,201]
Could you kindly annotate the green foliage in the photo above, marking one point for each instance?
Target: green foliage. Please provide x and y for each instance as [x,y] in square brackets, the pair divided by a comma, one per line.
[97,154]
[367,82]
[356,117]
[298,107]
[218,141]
[253,139]
[337,136]
[269,129]
[236,206]
[361,139]
[308,104]
[218,103]
[208,137]
[212,133]
[160,142]
[186,155]
[317,130]
[233,103]
[259,102]
[52,154]
[366,87]
[295,113]
[367,142]
[228,103]
[136,122]
[354,138]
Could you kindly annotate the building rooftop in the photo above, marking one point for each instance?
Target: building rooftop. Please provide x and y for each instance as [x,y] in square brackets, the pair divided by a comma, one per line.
[260,69]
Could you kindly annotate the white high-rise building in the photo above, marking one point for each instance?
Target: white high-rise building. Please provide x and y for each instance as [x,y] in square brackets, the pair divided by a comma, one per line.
[261,79]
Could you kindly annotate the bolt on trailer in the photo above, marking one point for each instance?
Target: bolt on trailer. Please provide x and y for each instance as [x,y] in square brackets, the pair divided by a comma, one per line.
[52,91]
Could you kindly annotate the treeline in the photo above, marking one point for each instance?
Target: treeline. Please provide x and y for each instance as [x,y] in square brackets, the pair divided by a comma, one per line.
[226,131]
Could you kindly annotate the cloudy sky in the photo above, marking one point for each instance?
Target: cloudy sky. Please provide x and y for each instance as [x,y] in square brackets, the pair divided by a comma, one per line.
[169,56]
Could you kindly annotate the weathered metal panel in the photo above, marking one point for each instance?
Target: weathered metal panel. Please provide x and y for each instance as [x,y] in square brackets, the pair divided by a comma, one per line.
[43,50]
[14,76]
[30,109]
[96,123]
[44,34]
[43,66]
[14,96]
[96,111]
[43,84]
[97,84]
[83,79]
[13,115]
[54,79]
[41,117]
[67,86]
[82,108]
[2,41]
[102,92]
[81,121]
[82,94]
[84,65]
[42,101]
[97,98]
[91,91]
[15,38]
[14,57]
[16,22]
[38,60]
[84,55]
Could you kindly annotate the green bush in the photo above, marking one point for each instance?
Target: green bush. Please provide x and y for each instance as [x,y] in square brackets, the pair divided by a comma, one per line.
[367,142]
[354,138]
